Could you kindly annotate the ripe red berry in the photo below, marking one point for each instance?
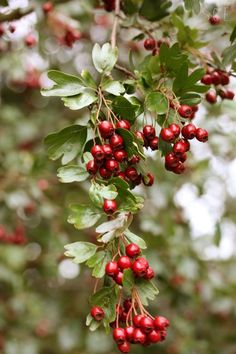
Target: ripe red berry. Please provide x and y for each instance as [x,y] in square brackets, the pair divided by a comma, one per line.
[216,78]
[206,79]
[109,206]
[167,135]
[112,165]
[92,167]
[148,180]
[97,152]
[139,268]
[129,331]
[132,250]
[183,157]
[134,160]
[149,274]
[107,150]
[127,304]
[131,173]
[116,141]
[97,313]
[202,135]
[121,175]
[171,160]
[112,269]
[104,173]
[136,320]
[175,129]
[120,155]
[47,7]
[124,262]
[154,336]
[215,20]
[230,95]
[119,278]
[195,108]
[211,97]
[119,335]
[2,31]
[154,143]
[179,148]
[189,131]
[124,124]
[139,336]
[124,347]
[149,43]
[30,40]
[187,144]
[106,129]
[149,132]
[185,111]
[161,323]
[179,169]
[146,324]
[224,79]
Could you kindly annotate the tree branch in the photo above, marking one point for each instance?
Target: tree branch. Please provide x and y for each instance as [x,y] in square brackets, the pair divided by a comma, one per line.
[15,15]
[125,71]
[115,24]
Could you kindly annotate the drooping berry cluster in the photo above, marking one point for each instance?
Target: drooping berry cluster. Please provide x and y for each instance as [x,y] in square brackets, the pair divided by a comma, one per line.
[218,78]
[17,237]
[151,44]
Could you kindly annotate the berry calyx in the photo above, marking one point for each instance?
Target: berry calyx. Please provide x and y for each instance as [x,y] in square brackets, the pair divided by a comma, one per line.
[124,347]
[109,206]
[97,313]
[97,152]
[202,135]
[146,324]
[189,131]
[132,250]
[119,335]
[139,336]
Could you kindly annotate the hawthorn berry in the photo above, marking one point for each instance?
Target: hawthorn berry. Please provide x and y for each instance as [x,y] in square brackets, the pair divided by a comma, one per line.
[120,155]
[104,173]
[92,167]
[202,135]
[179,148]
[206,79]
[132,250]
[131,173]
[116,141]
[124,347]
[149,132]
[149,43]
[230,95]
[107,150]
[112,269]
[189,131]
[106,129]
[171,160]
[175,128]
[136,320]
[129,331]
[140,136]
[179,169]
[97,152]
[139,268]
[163,335]
[119,335]
[148,180]
[30,40]
[139,336]
[216,78]
[154,336]
[109,206]
[134,160]
[183,157]
[224,78]
[124,262]
[153,143]
[149,274]
[146,324]
[112,165]
[185,111]
[161,323]
[121,174]
[127,304]
[119,278]
[167,135]
[97,313]
[211,97]
[214,20]
[124,124]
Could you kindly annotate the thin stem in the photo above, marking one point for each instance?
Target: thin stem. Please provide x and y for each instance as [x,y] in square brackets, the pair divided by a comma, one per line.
[115,24]
[15,14]
[119,302]
[124,70]
[95,286]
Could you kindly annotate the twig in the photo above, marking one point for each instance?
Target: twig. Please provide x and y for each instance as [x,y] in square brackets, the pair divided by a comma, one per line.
[125,71]
[15,14]
[115,24]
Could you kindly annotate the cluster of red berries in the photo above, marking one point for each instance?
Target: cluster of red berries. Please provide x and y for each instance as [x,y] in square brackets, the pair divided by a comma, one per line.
[139,266]
[218,78]
[71,36]
[17,237]
[153,45]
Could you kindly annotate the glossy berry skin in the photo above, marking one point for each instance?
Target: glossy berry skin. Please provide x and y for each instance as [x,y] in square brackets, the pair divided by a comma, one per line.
[185,111]
[216,78]
[121,175]
[175,129]
[211,97]
[119,278]
[131,173]
[153,143]
[194,108]
[171,160]
[124,262]
[132,250]
[189,131]
[109,206]
[187,144]
[97,313]
[104,173]
[124,347]
[179,148]
[214,20]
[107,150]
[119,335]
[134,160]
[112,269]
[92,167]
[202,135]
[179,169]
[112,165]
[149,274]
[139,268]
[127,304]
[148,180]
[149,132]
[230,95]
[161,323]
[136,320]
[129,331]
[167,135]
[146,324]
[183,157]
[206,79]
[116,142]
[106,129]
[30,40]
[97,152]
[149,43]
[120,155]
[139,336]
[154,336]
[224,79]
[124,124]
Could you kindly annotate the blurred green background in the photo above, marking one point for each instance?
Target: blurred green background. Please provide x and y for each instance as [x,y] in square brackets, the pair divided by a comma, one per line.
[189,221]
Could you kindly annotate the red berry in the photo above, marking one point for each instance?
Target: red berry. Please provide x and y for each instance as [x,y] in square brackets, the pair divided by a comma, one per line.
[136,320]
[216,78]
[179,169]
[194,108]
[163,335]
[104,173]
[119,335]
[119,278]
[97,152]
[154,143]
[30,40]
[132,250]
[229,95]
[109,206]
[127,304]
[185,111]
[179,148]
[106,129]
[149,274]
[175,129]
[112,165]
[124,262]
[112,269]
[47,7]
[167,135]
[189,131]
[149,132]
[134,160]
[154,336]
[139,336]
[116,141]
[171,160]
[139,267]
[109,5]
[214,20]
[148,180]
[224,79]
[124,347]
[121,175]
[107,150]
[131,173]
[187,144]
[211,97]
[97,313]
[123,316]
[129,331]
[146,324]
[124,124]
[202,135]
[206,79]
[183,157]
[140,136]
[2,31]
[120,155]
[149,43]
[92,167]
[161,323]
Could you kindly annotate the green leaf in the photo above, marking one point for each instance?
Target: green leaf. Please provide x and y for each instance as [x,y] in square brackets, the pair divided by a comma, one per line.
[67,143]
[172,58]
[164,147]
[119,182]
[98,262]
[194,77]
[80,101]
[115,227]
[72,173]
[99,192]
[193,5]
[135,239]
[113,87]
[131,144]
[124,108]
[129,202]
[130,7]
[88,79]
[66,85]
[156,102]
[80,251]
[83,216]
[104,58]
[154,10]
[92,323]
[233,35]
[147,290]
[190,98]
[181,77]
[229,55]
[128,280]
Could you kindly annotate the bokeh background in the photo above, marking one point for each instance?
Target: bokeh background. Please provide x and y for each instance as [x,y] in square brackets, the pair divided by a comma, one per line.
[189,221]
